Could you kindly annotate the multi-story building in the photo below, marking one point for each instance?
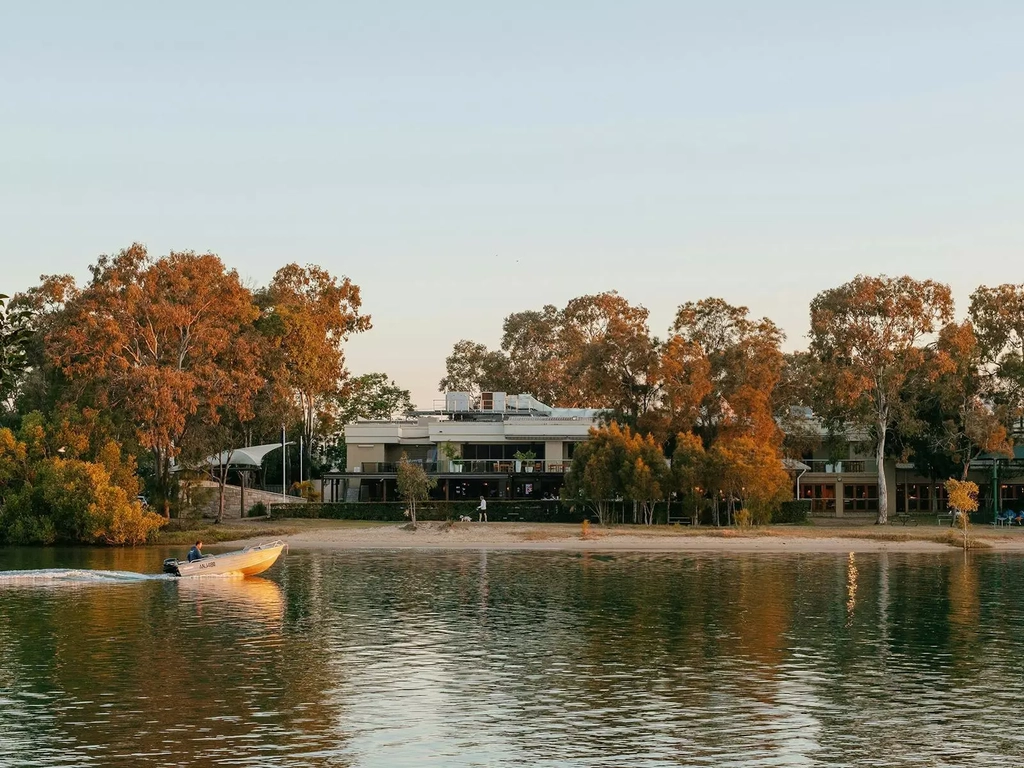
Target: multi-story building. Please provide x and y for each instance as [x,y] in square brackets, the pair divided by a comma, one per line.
[840,478]
[513,447]
[496,445]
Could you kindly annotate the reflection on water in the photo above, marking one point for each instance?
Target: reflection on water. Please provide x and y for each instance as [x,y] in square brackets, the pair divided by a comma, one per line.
[519,659]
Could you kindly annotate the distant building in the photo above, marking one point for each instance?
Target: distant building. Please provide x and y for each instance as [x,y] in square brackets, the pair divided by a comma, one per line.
[841,480]
[515,447]
[503,446]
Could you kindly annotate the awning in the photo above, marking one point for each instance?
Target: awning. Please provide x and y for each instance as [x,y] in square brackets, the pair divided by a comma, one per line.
[251,456]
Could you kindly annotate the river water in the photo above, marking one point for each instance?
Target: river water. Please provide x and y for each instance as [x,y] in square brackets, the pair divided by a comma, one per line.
[513,659]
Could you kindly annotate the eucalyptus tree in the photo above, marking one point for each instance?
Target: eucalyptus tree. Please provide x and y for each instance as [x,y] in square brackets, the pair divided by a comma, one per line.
[868,336]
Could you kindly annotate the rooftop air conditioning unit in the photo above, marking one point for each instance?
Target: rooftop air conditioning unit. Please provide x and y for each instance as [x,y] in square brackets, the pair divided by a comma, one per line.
[456,401]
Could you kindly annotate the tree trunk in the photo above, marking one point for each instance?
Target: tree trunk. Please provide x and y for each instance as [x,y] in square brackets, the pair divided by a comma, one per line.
[883,494]
[412,511]
[162,482]
[221,482]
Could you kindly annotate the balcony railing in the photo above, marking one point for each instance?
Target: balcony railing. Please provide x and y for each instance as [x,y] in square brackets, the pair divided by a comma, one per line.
[476,466]
[824,466]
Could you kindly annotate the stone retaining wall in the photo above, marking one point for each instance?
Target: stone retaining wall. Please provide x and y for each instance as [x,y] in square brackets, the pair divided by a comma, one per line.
[232,499]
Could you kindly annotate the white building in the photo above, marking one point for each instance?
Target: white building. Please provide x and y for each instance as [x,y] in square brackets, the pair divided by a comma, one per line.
[495,445]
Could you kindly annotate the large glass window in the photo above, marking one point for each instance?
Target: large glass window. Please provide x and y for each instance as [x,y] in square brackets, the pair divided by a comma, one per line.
[860,497]
[915,497]
[500,451]
[821,495]
[1012,496]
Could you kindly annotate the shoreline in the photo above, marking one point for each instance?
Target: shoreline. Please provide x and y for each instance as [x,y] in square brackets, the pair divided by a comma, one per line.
[330,535]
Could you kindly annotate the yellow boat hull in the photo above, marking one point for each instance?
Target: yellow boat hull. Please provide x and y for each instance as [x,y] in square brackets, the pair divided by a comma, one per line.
[245,562]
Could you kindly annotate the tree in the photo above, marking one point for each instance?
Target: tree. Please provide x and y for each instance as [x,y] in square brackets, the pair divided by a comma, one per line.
[611,361]
[65,482]
[866,334]
[744,364]
[414,485]
[616,463]
[595,475]
[159,342]
[645,474]
[595,352]
[375,396]
[953,417]
[997,316]
[686,386]
[689,469]
[530,354]
[310,314]
[963,500]
[15,334]
[472,368]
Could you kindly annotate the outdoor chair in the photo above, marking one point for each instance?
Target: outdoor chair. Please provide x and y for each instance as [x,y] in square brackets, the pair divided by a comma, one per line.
[1004,518]
[1016,517]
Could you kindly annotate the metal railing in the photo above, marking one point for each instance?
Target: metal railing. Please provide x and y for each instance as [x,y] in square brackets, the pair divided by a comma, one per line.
[476,466]
[824,466]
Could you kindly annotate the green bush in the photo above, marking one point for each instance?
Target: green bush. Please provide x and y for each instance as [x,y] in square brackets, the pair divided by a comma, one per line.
[792,511]
[259,509]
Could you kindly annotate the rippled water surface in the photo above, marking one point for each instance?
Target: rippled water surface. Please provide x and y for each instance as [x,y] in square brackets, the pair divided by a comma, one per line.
[514,659]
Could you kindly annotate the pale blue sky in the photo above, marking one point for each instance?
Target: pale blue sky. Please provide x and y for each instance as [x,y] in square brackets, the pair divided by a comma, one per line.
[461,161]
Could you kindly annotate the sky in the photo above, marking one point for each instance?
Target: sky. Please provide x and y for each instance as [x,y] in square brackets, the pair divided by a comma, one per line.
[460,161]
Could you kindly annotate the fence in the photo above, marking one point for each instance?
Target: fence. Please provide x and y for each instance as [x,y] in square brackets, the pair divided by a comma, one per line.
[475,466]
[527,511]
[394,511]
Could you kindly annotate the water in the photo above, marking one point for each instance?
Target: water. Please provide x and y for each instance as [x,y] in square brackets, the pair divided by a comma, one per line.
[514,659]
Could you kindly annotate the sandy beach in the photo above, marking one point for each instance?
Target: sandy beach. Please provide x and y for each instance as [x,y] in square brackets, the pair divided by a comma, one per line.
[340,535]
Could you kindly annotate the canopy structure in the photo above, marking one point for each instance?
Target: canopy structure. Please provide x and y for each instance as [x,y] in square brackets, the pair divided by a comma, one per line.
[239,458]
[243,457]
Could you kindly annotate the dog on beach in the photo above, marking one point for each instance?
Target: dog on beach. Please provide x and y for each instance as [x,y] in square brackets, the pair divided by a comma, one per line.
[465,519]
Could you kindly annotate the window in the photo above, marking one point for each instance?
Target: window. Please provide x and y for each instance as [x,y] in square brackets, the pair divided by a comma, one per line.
[1012,496]
[822,496]
[500,451]
[860,498]
[916,497]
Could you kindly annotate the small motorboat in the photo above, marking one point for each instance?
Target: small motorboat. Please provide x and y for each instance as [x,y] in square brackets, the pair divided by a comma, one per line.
[247,562]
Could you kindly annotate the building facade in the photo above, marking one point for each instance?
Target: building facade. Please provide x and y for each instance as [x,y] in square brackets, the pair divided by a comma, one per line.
[495,445]
[504,446]
[840,479]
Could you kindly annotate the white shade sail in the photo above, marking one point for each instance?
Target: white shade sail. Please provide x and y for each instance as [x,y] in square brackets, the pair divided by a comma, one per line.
[251,456]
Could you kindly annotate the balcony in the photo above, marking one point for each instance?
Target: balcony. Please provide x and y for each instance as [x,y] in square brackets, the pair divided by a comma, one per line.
[826,467]
[475,466]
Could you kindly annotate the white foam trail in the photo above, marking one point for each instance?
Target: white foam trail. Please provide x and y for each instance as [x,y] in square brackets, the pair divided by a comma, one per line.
[56,576]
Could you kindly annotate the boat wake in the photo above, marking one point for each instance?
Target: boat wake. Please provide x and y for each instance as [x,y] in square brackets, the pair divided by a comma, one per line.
[74,576]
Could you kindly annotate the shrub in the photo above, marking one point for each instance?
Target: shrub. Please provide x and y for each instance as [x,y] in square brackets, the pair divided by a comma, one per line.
[792,511]
[116,520]
[259,509]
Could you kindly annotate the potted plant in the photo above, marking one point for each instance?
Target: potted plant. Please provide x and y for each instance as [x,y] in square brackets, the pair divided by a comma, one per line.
[451,452]
[524,456]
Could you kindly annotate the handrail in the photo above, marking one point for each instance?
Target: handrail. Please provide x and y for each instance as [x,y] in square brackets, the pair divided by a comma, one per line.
[476,466]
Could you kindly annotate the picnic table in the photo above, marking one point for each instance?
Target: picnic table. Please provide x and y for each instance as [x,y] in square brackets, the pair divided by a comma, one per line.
[903,518]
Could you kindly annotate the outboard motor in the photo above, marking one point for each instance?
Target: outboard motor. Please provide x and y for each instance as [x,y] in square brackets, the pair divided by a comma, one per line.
[171,566]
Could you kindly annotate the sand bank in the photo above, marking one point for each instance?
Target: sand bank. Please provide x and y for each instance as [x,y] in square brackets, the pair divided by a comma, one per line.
[338,535]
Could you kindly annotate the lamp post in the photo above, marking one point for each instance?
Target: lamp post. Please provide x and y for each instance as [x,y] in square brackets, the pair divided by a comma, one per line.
[284,466]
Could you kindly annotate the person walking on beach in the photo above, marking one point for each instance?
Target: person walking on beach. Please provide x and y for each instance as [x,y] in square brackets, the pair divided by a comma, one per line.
[482,509]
